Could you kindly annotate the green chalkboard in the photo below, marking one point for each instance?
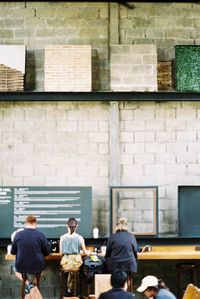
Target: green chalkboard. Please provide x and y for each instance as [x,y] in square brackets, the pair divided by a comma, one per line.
[189,211]
[51,205]
[187,67]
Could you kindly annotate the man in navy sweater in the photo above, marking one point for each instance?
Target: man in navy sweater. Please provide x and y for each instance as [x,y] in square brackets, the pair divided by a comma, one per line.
[30,247]
[119,286]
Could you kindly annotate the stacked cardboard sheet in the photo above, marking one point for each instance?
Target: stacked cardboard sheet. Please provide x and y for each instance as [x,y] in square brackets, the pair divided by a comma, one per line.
[11,79]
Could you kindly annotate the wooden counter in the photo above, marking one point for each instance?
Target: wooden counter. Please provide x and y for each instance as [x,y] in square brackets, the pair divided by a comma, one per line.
[156,253]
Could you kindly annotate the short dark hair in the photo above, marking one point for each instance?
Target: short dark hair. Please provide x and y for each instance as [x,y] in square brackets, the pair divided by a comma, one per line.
[72,223]
[118,278]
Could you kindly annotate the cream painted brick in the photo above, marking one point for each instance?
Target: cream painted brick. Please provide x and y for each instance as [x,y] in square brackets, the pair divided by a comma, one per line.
[56,115]
[126,137]
[32,114]
[126,114]
[100,114]
[12,137]
[24,126]
[154,125]
[165,158]
[134,148]
[6,169]
[126,159]
[66,170]
[176,169]
[186,113]
[186,158]
[165,136]
[6,126]
[168,113]
[86,148]
[45,126]
[63,126]
[175,124]
[103,171]
[144,136]
[154,169]
[22,170]
[152,147]
[102,159]
[193,124]
[44,148]
[34,137]
[50,137]
[176,147]
[98,137]
[34,181]
[103,126]
[44,170]
[132,170]
[66,148]
[78,114]
[25,148]
[12,181]
[88,126]
[136,125]
[103,148]
[55,180]
[144,114]
[193,147]
[186,136]
[144,159]
[91,170]
[77,137]
[14,114]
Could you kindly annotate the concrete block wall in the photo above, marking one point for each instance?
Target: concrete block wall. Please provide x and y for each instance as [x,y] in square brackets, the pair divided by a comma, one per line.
[159,146]
[133,68]
[100,24]
[67,68]
[65,143]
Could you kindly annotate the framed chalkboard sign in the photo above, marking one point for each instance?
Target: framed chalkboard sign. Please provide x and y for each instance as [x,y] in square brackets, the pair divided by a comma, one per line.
[189,211]
[52,206]
[139,205]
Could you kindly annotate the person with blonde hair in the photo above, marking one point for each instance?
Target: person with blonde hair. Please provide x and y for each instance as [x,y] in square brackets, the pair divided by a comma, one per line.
[121,250]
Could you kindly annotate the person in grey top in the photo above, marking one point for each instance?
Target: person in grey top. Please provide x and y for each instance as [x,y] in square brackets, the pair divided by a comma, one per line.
[155,288]
[71,245]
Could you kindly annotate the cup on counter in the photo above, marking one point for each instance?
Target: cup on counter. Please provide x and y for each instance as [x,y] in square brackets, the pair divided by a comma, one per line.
[103,250]
[9,249]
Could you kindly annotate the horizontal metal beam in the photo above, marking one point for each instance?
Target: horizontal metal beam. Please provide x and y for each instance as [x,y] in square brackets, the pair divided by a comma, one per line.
[99,96]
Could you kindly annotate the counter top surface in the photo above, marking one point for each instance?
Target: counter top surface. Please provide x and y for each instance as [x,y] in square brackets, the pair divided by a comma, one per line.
[156,253]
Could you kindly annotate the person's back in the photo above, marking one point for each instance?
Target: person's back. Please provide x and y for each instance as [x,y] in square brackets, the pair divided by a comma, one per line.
[119,286]
[30,247]
[165,294]
[121,249]
[154,288]
[71,244]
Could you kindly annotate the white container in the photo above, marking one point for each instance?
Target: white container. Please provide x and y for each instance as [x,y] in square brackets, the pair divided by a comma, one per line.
[103,250]
[9,249]
[95,232]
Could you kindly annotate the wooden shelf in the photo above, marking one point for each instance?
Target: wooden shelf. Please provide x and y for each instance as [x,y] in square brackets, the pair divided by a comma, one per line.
[160,96]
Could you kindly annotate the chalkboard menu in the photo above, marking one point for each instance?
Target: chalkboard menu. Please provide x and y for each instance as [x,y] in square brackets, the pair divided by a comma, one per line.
[52,206]
[188,211]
